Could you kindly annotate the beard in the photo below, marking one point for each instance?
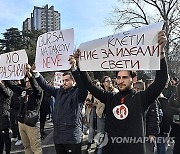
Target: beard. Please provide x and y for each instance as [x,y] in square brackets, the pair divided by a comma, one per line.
[124,87]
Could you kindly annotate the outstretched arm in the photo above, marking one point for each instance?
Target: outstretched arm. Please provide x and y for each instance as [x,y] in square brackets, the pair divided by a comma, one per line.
[97,92]
[43,83]
[85,78]
[15,88]
[154,90]
[82,91]
[36,88]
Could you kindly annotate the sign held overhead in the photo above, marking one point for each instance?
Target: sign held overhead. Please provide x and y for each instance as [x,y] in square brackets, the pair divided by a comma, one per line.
[53,50]
[137,49]
[13,65]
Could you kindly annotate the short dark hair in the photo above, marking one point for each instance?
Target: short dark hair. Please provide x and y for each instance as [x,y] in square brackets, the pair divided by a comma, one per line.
[68,73]
[131,73]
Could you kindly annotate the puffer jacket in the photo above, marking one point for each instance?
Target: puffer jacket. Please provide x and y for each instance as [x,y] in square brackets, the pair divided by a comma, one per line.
[15,102]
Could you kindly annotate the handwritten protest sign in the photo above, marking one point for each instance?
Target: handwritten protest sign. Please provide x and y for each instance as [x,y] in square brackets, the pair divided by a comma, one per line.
[13,65]
[131,50]
[58,79]
[53,50]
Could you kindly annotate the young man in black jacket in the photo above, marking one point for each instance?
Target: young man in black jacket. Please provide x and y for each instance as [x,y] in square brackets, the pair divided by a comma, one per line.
[125,110]
[5,99]
[67,116]
[32,96]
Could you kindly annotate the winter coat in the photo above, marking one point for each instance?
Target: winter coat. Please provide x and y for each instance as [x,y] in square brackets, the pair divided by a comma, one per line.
[34,96]
[67,111]
[5,99]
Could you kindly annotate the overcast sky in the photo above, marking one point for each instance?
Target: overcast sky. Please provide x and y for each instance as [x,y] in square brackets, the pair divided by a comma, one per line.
[87,17]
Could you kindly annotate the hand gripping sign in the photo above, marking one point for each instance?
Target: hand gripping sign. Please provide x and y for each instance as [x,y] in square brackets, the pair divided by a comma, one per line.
[58,79]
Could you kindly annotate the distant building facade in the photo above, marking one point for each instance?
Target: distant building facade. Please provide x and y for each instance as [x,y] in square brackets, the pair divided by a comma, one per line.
[44,19]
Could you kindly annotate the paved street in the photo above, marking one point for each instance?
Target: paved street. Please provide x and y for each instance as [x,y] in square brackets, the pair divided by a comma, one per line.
[48,146]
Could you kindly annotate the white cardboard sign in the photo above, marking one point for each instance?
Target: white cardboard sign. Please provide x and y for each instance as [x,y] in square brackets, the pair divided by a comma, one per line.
[53,50]
[58,79]
[137,49]
[13,65]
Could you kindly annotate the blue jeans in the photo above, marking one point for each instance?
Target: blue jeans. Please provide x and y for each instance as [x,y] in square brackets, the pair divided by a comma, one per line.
[100,129]
[161,145]
[91,125]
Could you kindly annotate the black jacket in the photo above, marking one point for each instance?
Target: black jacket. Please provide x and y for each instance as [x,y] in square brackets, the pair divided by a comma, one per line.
[15,102]
[67,111]
[45,105]
[153,120]
[132,126]
[35,96]
[165,120]
[5,99]
[169,91]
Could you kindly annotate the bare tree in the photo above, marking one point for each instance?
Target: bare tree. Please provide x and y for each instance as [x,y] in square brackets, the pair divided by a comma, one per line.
[136,13]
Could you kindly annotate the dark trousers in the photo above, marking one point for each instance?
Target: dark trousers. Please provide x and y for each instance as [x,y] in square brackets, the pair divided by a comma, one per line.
[175,132]
[42,122]
[176,149]
[161,144]
[68,148]
[5,140]
[149,147]
[14,124]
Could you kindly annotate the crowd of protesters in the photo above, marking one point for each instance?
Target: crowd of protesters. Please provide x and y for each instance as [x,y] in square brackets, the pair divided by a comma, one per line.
[121,106]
